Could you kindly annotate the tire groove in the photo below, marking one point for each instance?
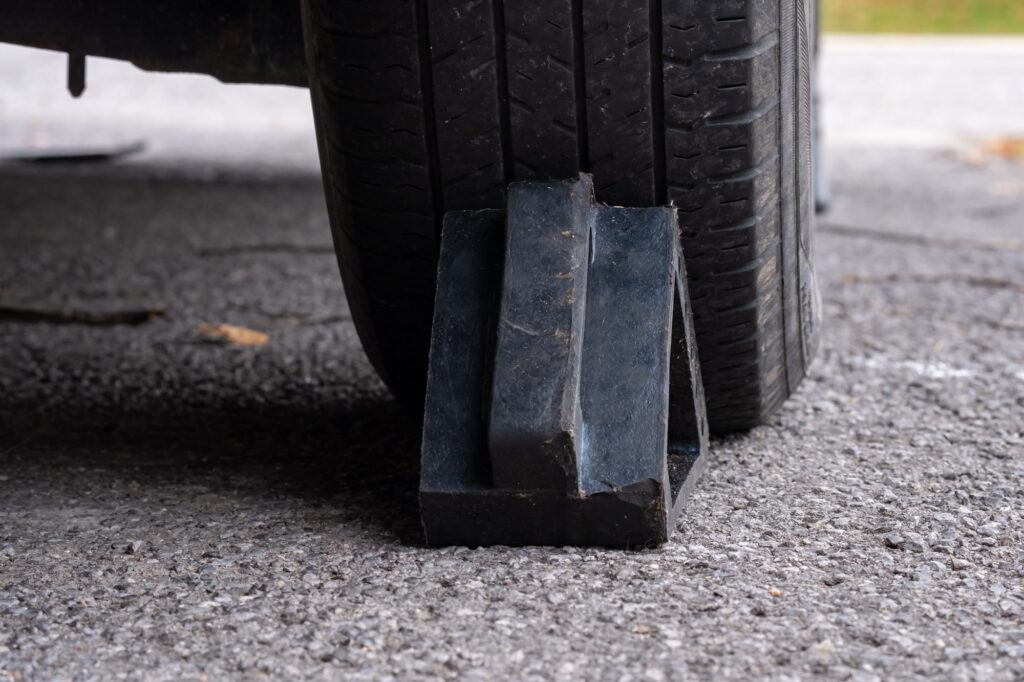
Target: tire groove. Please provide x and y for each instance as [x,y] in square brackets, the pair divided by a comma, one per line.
[658,150]
[746,117]
[429,114]
[746,52]
[501,69]
[580,87]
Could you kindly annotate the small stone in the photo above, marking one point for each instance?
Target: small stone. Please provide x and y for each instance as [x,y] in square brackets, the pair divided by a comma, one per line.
[989,529]
[133,547]
[894,540]
[864,676]
[961,564]
[556,598]
[823,649]
[832,580]
[915,543]
[922,576]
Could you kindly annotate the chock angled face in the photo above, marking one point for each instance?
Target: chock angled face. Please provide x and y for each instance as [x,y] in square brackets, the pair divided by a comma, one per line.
[564,403]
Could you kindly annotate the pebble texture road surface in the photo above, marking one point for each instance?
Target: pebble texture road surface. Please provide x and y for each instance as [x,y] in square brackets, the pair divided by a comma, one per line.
[173,507]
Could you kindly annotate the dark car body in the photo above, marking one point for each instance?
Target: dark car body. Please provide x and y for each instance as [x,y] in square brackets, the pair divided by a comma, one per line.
[245,41]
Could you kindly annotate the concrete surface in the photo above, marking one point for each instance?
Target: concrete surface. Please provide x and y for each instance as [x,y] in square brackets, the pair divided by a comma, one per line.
[921,90]
[175,508]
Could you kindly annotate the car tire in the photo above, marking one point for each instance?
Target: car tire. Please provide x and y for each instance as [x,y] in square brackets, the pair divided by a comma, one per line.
[428,106]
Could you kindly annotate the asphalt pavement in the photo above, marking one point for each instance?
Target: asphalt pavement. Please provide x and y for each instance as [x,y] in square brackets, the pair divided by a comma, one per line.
[174,506]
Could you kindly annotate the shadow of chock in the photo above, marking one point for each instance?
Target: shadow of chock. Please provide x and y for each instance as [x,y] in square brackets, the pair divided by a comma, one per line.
[359,459]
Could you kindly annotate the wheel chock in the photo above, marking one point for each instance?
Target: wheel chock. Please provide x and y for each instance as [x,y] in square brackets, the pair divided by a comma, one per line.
[564,403]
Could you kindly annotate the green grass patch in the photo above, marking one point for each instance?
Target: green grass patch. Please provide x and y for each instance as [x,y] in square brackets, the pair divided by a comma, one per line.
[923,16]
